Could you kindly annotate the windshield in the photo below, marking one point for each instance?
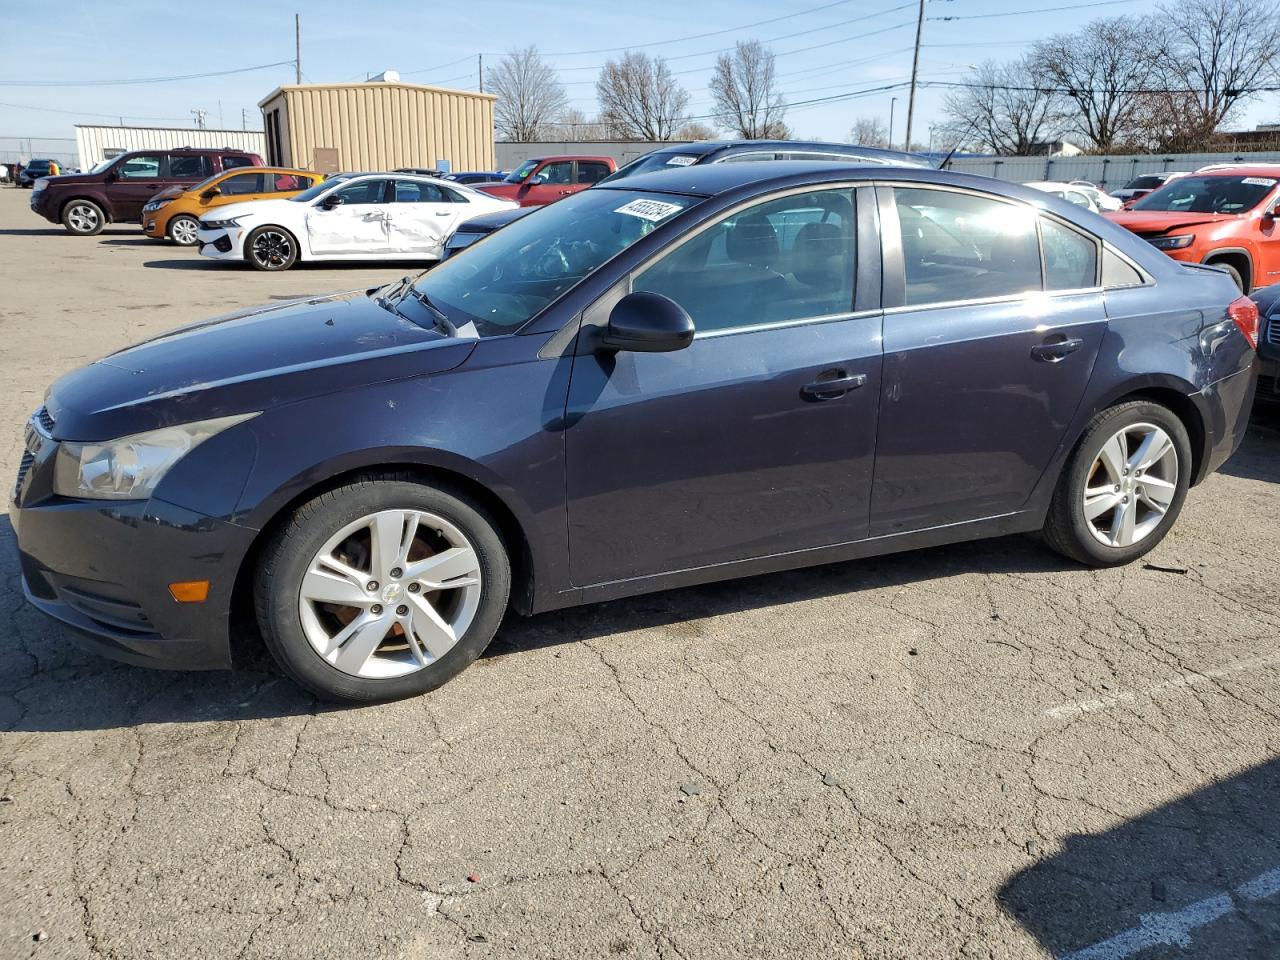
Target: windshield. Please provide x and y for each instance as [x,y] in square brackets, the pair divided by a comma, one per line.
[662,160]
[306,196]
[102,165]
[1214,194]
[1148,182]
[504,280]
[521,172]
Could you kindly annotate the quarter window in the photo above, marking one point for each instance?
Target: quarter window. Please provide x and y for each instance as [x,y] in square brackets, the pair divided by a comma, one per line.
[787,259]
[1070,258]
[956,246]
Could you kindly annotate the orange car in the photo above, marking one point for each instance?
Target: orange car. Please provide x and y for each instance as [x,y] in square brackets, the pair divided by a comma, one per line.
[175,212]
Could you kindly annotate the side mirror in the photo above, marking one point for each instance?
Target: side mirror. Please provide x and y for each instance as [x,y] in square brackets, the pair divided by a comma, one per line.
[210,193]
[645,322]
[1268,219]
[332,201]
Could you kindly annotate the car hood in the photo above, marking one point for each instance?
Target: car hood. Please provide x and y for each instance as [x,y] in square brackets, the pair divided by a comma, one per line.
[168,193]
[247,361]
[1141,221]
[488,222]
[69,179]
[505,191]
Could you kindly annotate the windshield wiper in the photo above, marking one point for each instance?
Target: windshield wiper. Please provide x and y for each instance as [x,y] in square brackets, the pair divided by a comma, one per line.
[442,320]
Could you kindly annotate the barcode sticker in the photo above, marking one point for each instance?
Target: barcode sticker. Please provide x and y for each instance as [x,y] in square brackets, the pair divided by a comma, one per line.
[679,160]
[1259,181]
[652,210]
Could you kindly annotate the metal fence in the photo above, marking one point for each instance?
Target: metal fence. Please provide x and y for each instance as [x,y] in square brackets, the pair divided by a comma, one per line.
[1108,172]
[22,149]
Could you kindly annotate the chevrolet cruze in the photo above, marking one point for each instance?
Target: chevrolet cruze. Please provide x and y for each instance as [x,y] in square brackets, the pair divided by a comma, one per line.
[682,377]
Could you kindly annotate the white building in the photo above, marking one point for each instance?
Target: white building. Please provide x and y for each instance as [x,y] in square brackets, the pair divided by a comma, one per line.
[98,143]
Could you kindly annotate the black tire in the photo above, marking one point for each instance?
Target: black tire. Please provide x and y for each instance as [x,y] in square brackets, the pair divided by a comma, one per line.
[84,218]
[286,260]
[286,559]
[184,220]
[1067,531]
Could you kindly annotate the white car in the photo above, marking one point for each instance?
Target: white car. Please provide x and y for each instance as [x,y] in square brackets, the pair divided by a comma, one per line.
[355,216]
[1141,185]
[1068,191]
[1104,200]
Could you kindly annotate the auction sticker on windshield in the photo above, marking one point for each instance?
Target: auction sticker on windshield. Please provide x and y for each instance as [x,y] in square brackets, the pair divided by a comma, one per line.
[681,161]
[1259,182]
[652,210]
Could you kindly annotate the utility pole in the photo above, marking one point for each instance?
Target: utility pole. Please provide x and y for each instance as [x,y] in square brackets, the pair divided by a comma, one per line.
[915,69]
[297,44]
[480,69]
[221,125]
[893,102]
[199,115]
[244,119]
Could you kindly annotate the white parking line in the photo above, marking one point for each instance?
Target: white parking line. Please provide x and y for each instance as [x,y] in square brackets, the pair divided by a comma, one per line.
[1175,928]
[1191,679]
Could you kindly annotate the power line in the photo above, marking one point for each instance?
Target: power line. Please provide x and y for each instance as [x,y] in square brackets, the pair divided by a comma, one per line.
[140,80]
[1023,13]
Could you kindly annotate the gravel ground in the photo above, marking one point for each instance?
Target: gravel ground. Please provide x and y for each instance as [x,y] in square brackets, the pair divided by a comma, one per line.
[974,751]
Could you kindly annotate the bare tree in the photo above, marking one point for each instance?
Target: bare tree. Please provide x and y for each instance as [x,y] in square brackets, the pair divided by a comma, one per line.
[574,125]
[639,97]
[1101,69]
[529,95]
[695,130]
[1003,108]
[869,132]
[1222,52]
[746,94]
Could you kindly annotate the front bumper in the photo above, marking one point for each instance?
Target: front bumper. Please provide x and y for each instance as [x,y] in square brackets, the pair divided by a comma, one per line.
[1268,380]
[220,244]
[103,568]
[41,205]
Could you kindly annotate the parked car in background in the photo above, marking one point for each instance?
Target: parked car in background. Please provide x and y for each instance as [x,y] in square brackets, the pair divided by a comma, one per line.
[35,170]
[363,216]
[116,191]
[683,155]
[175,212]
[542,180]
[421,171]
[676,378]
[1065,191]
[1100,197]
[472,177]
[477,228]
[1142,185]
[1225,217]
[1268,301]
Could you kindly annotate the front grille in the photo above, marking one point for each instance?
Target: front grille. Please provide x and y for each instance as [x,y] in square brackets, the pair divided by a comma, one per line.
[222,244]
[46,421]
[116,614]
[1273,331]
[1269,388]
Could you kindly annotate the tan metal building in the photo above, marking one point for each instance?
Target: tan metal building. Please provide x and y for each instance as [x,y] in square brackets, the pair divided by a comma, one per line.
[378,125]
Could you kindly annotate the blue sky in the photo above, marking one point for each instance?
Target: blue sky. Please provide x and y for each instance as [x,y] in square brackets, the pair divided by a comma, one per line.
[845,46]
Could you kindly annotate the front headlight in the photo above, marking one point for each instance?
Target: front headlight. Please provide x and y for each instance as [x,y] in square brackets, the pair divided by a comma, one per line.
[39,185]
[460,240]
[220,224]
[155,205]
[1172,243]
[129,468]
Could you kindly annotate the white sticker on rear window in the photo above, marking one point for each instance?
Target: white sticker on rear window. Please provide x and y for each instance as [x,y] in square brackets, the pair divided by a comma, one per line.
[681,161]
[652,210]
[1259,181]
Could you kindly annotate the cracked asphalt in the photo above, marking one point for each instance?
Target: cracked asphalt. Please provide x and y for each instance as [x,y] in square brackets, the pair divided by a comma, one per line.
[973,751]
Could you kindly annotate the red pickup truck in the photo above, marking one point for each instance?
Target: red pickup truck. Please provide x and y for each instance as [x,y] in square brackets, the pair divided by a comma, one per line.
[542,180]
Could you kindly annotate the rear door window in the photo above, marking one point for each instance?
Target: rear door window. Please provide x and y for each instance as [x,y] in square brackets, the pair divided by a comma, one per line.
[244,183]
[592,171]
[189,167]
[233,161]
[146,167]
[959,246]
[1070,257]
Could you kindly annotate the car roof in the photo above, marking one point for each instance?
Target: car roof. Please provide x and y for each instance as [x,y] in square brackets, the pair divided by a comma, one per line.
[1269,170]
[702,148]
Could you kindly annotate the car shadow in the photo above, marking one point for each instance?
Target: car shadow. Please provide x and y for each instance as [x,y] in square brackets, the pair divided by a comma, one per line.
[1259,456]
[195,263]
[134,242]
[53,231]
[1197,878]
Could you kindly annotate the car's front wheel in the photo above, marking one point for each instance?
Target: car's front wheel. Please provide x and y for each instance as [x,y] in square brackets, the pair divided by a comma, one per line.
[381,589]
[271,248]
[1123,487]
[183,230]
[84,218]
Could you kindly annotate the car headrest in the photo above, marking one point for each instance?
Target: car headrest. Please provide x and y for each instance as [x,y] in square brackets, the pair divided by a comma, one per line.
[819,256]
[752,240]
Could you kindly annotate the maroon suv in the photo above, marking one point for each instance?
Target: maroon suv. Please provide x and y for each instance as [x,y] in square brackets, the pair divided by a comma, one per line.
[115,190]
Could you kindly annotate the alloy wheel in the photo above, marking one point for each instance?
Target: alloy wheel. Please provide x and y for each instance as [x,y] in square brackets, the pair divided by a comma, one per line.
[390,593]
[272,249]
[82,218]
[183,231]
[1131,485]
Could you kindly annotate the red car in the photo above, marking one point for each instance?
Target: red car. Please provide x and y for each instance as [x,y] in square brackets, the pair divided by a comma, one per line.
[1224,215]
[541,180]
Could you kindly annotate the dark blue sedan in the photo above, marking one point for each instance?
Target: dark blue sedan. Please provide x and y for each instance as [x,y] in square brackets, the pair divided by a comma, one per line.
[681,377]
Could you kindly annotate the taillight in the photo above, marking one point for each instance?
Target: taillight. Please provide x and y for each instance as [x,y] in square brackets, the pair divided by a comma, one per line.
[1244,313]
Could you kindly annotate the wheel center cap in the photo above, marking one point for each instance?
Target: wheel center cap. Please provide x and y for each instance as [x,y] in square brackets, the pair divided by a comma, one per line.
[391,592]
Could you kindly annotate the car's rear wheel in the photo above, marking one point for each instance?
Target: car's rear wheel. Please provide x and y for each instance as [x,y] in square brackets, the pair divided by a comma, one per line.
[84,218]
[183,230]
[1123,487]
[1235,274]
[271,248]
[382,589]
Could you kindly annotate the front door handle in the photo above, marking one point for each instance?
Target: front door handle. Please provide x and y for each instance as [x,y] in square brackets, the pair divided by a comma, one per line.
[834,387]
[1052,351]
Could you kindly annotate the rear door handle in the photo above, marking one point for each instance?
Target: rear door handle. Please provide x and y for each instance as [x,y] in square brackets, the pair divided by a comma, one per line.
[833,388]
[1052,351]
